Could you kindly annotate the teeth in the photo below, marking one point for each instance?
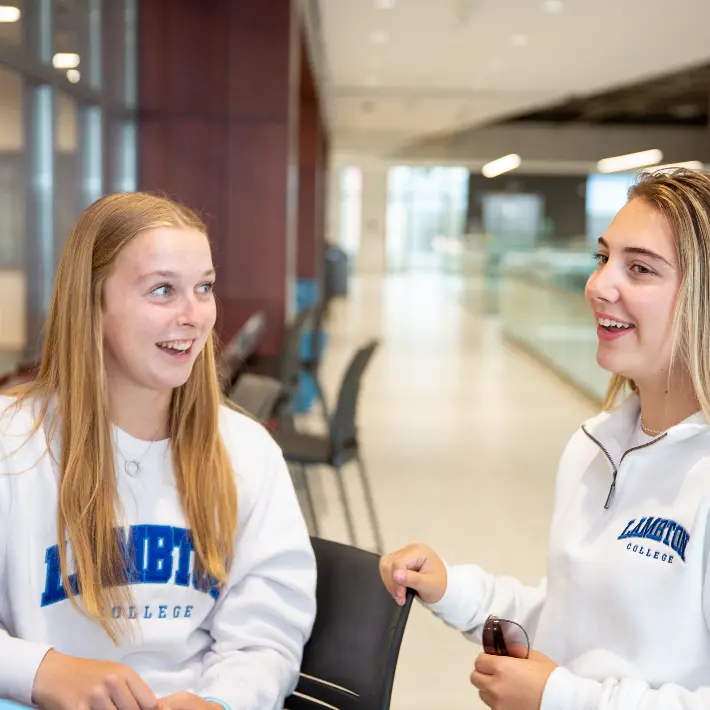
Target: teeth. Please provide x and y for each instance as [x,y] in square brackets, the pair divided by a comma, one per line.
[612,323]
[181,345]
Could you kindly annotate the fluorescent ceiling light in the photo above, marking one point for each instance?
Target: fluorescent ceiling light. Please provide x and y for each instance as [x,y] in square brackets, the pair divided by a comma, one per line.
[630,161]
[501,165]
[553,6]
[688,164]
[384,4]
[65,60]
[74,75]
[8,13]
[379,37]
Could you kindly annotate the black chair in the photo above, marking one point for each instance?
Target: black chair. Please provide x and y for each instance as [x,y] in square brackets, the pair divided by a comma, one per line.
[311,364]
[259,395]
[350,660]
[337,448]
[239,349]
[289,358]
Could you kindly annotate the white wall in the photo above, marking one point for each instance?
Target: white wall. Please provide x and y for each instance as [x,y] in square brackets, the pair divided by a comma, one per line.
[373,238]
[371,254]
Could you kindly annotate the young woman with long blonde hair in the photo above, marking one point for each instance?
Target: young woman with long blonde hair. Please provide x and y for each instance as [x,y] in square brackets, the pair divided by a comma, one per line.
[152,551]
[622,619]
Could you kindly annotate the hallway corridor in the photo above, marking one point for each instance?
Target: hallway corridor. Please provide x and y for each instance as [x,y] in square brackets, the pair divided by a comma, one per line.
[461,435]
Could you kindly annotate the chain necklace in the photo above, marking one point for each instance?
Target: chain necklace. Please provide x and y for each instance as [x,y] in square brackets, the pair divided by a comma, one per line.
[647,430]
[133,466]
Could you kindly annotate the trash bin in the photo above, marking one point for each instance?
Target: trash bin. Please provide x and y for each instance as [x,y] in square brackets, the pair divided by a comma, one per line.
[336,272]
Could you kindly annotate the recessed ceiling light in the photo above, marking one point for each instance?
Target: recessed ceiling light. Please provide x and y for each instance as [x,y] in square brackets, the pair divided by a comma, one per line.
[379,36]
[73,75]
[384,4]
[519,40]
[553,6]
[8,13]
[65,60]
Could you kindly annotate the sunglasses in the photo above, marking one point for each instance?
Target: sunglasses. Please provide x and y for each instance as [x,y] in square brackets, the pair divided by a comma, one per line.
[505,638]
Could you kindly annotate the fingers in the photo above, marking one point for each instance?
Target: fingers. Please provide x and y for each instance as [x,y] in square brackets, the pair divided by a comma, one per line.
[488,664]
[120,694]
[143,695]
[399,570]
[482,681]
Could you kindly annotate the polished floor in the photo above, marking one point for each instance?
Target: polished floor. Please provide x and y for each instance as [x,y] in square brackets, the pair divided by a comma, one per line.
[462,435]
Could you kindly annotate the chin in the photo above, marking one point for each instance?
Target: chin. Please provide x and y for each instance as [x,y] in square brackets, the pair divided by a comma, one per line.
[611,364]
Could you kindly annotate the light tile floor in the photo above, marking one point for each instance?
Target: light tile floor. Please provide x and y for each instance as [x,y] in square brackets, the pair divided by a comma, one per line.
[462,435]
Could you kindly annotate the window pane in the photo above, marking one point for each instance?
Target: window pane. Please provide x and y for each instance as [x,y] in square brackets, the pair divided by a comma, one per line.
[73,39]
[12,208]
[68,170]
[11,12]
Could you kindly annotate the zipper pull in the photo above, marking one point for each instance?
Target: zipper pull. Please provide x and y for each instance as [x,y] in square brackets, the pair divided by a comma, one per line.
[612,488]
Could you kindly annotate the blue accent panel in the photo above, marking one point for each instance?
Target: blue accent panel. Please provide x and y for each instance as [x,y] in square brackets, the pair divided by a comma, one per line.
[307,295]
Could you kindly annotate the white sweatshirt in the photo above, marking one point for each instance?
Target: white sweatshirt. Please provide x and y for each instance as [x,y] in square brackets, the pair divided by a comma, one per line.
[625,606]
[243,646]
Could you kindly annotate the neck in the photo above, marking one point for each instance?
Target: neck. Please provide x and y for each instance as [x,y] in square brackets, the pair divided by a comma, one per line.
[139,412]
[667,403]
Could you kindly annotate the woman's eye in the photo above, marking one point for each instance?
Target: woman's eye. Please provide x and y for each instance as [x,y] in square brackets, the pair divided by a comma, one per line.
[206,287]
[641,270]
[162,290]
[601,259]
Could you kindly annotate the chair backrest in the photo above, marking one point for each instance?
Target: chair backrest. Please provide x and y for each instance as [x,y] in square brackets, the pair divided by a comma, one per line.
[343,423]
[314,354]
[289,361]
[350,660]
[257,394]
[240,348]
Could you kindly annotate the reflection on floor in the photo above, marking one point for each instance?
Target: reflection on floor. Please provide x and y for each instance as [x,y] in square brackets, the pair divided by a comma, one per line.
[462,436]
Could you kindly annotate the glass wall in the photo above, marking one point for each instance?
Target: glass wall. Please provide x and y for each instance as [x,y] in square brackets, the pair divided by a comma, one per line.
[67,136]
[426,214]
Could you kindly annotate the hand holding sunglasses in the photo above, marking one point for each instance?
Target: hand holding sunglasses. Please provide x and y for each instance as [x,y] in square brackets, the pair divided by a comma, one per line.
[509,675]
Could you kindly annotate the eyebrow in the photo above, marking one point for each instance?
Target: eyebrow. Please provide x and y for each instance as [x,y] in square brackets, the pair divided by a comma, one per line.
[640,251]
[170,274]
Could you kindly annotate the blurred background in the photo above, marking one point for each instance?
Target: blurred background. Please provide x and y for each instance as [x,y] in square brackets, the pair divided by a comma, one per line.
[428,175]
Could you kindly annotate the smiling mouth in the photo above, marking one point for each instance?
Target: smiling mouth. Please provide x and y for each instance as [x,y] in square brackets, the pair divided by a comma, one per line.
[613,326]
[176,348]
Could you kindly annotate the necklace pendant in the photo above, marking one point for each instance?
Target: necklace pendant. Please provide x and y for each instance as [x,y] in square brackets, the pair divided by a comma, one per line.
[132,468]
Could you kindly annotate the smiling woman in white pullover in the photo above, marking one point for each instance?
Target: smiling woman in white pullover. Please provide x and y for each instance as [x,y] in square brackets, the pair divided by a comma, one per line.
[152,550]
[622,619]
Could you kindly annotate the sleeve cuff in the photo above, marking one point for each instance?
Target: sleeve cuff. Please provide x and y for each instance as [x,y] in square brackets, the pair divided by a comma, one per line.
[564,690]
[462,599]
[18,669]
[218,702]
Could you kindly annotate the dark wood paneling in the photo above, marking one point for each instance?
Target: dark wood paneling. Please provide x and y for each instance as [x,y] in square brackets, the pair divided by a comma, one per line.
[219,83]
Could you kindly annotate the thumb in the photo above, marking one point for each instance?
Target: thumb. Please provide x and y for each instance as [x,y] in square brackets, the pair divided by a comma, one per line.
[410,578]
[540,657]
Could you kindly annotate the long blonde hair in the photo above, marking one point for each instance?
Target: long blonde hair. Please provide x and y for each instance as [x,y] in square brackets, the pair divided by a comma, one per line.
[71,373]
[683,198]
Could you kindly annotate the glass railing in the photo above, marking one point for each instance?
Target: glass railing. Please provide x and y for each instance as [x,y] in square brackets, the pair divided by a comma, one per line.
[542,308]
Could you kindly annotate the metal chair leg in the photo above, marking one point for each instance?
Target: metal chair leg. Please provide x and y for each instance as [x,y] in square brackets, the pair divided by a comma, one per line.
[379,546]
[346,506]
[321,396]
[309,500]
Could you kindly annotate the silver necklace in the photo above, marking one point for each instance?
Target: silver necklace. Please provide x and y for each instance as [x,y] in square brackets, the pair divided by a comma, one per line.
[133,466]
